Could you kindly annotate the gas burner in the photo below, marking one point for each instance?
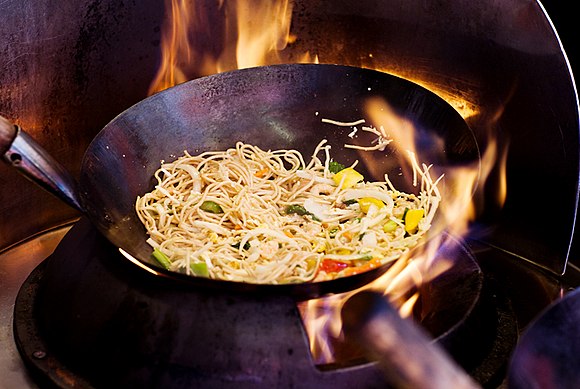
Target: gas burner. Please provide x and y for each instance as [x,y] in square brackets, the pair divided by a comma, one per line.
[84,318]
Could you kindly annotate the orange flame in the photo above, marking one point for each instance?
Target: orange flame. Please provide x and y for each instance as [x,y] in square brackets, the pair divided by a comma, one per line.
[176,49]
[247,33]
[263,30]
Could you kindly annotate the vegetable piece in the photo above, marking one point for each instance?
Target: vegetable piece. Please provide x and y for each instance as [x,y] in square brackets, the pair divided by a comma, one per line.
[366,257]
[199,269]
[246,245]
[332,232]
[297,209]
[310,264]
[213,237]
[350,176]
[261,173]
[162,258]
[335,167]
[350,202]
[319,211]
[211,206]
[366,202]
[332,266]
[390,226]
[300,210]
[412,218]
[371,264]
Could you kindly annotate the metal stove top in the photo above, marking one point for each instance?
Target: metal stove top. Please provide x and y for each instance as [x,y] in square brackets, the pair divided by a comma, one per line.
[15,266]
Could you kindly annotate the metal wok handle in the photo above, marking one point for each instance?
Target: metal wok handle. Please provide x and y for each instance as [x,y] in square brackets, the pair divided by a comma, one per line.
[406,354]
[31,160]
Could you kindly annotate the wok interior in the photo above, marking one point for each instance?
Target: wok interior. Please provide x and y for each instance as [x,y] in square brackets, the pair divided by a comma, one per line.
[273,107]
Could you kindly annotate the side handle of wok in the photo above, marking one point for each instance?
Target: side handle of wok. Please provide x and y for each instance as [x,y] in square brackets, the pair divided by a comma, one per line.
[407,355]
[19,150]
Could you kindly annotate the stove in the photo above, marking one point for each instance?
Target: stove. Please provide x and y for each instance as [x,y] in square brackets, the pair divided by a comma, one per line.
[146,331]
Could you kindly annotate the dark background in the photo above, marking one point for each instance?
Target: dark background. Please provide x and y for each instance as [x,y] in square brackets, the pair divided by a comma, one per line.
[565,19]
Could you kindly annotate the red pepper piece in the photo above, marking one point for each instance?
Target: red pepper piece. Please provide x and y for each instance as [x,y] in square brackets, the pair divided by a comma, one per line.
[332,266]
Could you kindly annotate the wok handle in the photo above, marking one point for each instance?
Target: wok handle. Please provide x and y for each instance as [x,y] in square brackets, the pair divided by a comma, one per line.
[406,354]
[31,160]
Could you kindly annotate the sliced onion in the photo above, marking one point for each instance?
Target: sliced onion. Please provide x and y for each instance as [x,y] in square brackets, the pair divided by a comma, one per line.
[320,210]
[211,226]
[369,240]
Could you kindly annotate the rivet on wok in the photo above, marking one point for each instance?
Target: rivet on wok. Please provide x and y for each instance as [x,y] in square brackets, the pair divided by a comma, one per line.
[39,354]
[15,158]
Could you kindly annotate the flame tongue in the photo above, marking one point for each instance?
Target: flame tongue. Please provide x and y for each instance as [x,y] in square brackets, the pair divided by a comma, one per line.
[263,29]
[195,43]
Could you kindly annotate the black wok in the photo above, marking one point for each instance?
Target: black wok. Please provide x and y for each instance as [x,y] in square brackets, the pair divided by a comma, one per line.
[272,107]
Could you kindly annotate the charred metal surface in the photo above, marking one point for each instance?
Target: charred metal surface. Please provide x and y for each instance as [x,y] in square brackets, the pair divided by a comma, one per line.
[67,69]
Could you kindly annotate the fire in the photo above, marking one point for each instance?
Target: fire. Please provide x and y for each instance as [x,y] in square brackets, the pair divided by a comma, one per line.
[263,30]
[176,53]
[201,39]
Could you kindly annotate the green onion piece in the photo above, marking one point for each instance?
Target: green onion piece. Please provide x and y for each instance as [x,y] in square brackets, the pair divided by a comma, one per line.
[246,245]
[335,167]
[199,269]
[297,209]
[332,232]
[350,202]
[162,258]
[366,257]
[300,210]
[211,206]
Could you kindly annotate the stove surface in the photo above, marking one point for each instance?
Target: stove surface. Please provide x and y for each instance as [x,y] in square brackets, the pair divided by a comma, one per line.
[15,266]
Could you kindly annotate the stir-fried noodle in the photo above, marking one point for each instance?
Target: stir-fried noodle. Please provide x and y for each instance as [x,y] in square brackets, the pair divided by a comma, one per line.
[258,216]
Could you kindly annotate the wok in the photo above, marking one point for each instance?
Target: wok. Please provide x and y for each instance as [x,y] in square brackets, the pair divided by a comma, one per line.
[273,107]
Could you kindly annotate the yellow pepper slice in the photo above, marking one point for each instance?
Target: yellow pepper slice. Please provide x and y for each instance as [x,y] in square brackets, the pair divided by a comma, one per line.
[351,177]
[412,218]
[366,202]
[310,264]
